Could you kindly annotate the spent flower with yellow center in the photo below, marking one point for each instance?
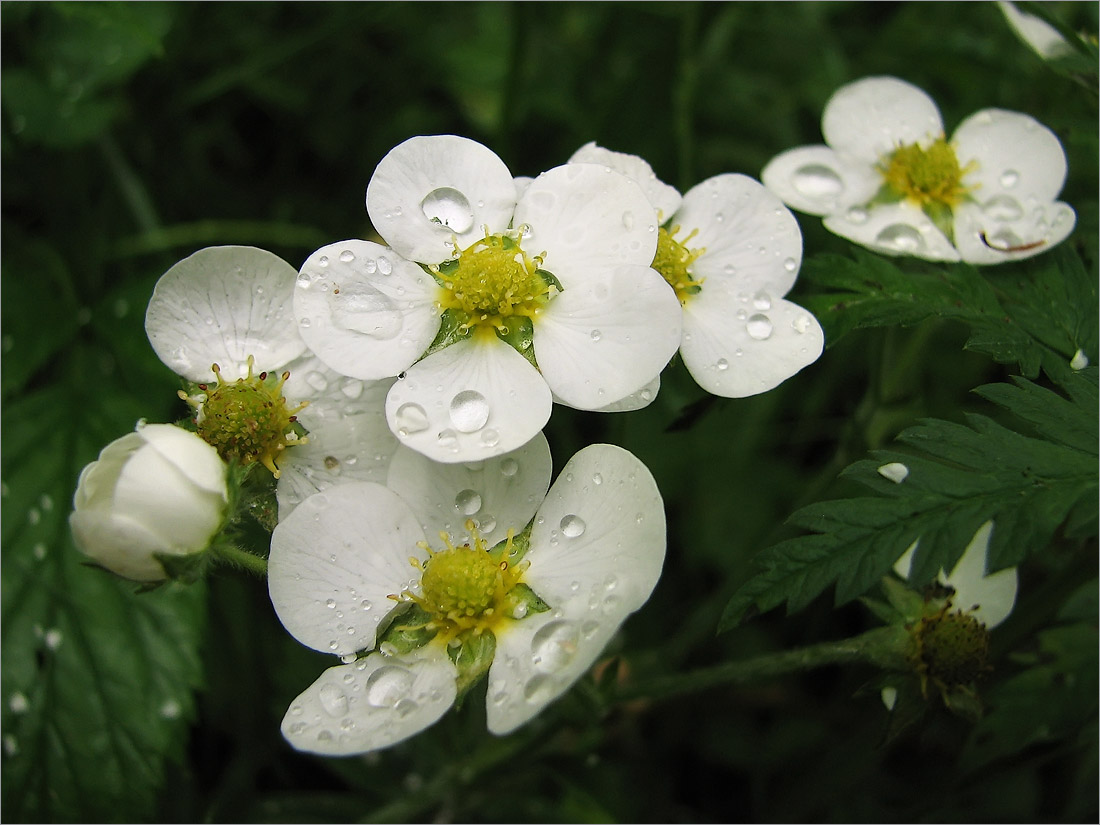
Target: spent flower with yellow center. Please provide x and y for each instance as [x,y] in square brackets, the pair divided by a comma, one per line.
[674,260]
[247,419]
[927,176]
[493,280]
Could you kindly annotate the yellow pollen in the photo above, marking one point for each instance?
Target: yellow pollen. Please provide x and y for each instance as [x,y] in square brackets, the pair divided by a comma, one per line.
[926,176]
[465,587]
[674,261]
[494,279]
[247,419]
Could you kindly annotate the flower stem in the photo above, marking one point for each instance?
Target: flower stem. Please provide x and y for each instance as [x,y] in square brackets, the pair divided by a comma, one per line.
[229,554]
[882,646]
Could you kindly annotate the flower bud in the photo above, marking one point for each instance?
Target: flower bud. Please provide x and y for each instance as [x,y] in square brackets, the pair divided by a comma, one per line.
[158,490]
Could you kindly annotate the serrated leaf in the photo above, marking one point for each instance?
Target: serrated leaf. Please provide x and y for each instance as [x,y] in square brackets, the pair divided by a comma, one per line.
[959,477]
[1034,313]
[98,680]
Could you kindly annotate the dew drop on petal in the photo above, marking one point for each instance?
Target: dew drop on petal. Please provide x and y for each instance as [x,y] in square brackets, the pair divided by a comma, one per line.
[333,700]
[857,215]
[468,502]
[1009,178]
[597,478]
[509,467]
[388,685]
[1003,208]
[448,439]
[801,323]
[762,301]
[817,181]
[628,220]
[535,687]
[411,418]
[469,411]
[900,237]
[554,645]
[490,438]
[317,381]
[572,526]
[331,604]
[596,335]
[347,256]
[448,207]
[790,264]
[759,327]
[722,365]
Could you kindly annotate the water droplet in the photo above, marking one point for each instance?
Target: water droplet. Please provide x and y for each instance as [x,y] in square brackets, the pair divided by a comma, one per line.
[323,260]
[170,709]
[388,685]
[331,604]
[39,551]
[54,638]
[857,215]
[520,610]
[597,478]
[468,502]
[801,323]
[487,523]
[469,411]
[1009,178]
[900,237]
[317,381]
[347,256]
[365,604]
[385,266]
[1003,208]
[448,439]
[11,745]
[817,181]
[304,322]
[536,685]
[722,364]
[596,335]
[361,308]
[628,220]
[762,300]
[34,516]
[572,526]
[759,327]
[448,207]
[790,264]
[18,703]
[410,418]
[554,645]
[509,467]
[490,438]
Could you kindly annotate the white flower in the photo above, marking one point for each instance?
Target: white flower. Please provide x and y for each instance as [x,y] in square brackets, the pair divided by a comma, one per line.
[731,250]
[989,598]
[557,276]
[888,178]
[159,490]
[1045,40]
[597,544]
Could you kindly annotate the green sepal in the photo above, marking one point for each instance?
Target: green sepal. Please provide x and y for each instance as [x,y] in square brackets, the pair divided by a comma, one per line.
[943,217]
[186,569]
[885,195]
[522,601]
[549,279]
[520,336]
[452,329]
[886,613]
[443,269]
[521,543]
[472,658]
[406,629]
[908,604]
[965,702]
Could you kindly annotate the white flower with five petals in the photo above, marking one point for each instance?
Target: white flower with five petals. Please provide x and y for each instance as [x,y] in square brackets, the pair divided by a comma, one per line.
[731,250]
[490,303]
[889,179]
[338,562]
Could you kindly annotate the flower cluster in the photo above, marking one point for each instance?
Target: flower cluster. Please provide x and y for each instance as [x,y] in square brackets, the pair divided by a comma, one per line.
[380,409]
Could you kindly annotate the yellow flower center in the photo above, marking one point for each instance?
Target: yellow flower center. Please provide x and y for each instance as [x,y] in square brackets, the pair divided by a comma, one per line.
[674,260]
[926,176]
[467,587]
[247,419]
[951,648]
[495,279]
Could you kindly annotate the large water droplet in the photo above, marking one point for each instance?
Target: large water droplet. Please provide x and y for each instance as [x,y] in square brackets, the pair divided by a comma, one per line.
[900,237]
[347,256]
[759,327]
[762,301]
[469,411]
[1009,178]
[722,364]
[333,700]
[448,207]
[362,308]
[411,418]
[817,181]
[857,215]
[468,502]
[554,645]
[1003,208]
[388,685]
[509,467]
[801,323]
[572,526]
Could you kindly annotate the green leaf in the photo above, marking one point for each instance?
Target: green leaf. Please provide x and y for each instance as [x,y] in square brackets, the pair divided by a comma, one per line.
[98,680]
[1034,313]
[959,477]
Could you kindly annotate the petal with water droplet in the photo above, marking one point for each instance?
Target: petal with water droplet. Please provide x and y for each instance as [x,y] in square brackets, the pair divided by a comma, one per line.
[664,198]
[873,116]
[818,181]
[896,229]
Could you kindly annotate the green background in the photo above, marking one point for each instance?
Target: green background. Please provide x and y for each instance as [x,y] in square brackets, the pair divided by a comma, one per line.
[134,134]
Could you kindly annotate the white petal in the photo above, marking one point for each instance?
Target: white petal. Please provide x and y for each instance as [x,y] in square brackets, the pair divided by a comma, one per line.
[607,337]
[355,447]
[1009,232]
[751,239]
[736,344]
[221,305]
[474,400]
[1013,154]
[586,217]
[597,548]
[664,198]
[1042,37]
[194,458]
[348,547]
[904,564]
[819,181]
[118,543]
[875,115]
[331,395]
[432,193]
[991,597]
[889,696]
[894,229]
[499,494]
[371,704]
[635,401]
[365,311]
